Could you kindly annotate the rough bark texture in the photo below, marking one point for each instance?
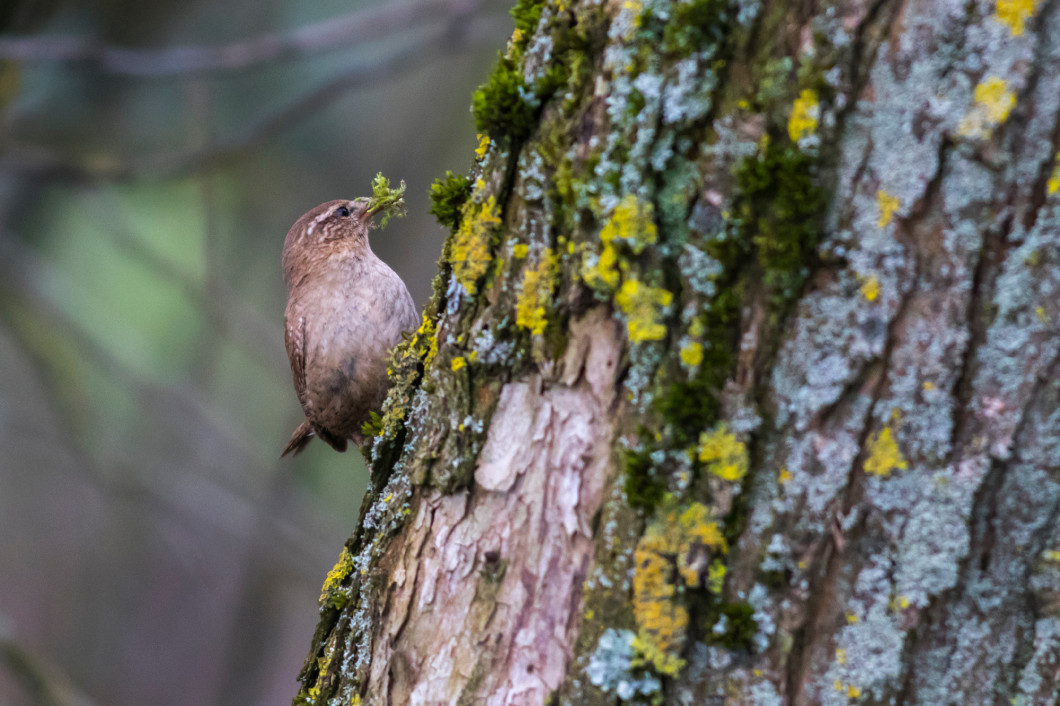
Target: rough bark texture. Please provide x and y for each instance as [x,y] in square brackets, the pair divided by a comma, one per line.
[740,381]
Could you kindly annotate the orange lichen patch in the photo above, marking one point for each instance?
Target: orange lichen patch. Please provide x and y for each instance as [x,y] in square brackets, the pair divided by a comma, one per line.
[682,539]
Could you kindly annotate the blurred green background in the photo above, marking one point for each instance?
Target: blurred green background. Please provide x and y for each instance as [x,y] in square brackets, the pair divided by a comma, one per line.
[153,547]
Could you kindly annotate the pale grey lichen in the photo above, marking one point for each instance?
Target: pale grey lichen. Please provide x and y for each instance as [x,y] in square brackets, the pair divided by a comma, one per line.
[760,600]
[687,96]
[868,652]
[611,669]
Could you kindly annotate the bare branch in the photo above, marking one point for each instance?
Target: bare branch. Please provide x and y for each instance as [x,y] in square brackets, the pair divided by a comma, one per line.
[21,274]
[44,163]
[45,682]
[227,312]
[318,38]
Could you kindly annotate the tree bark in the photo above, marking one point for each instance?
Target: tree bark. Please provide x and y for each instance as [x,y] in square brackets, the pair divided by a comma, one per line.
[740,380]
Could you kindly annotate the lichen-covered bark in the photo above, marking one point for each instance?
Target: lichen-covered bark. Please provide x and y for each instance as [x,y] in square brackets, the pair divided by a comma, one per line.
[741,379]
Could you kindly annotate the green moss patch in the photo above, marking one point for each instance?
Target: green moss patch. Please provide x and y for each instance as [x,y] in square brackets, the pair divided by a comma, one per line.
[448,196]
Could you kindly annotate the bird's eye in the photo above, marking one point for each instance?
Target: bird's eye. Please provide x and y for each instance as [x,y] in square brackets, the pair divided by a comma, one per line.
[342,212]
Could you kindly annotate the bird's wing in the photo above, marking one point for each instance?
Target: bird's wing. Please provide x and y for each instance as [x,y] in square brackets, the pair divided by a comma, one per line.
[294,338]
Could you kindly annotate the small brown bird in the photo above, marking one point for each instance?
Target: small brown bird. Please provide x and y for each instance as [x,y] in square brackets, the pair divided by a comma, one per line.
[345,309]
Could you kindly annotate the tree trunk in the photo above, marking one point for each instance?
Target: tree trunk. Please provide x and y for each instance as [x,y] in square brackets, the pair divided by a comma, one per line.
[740,380]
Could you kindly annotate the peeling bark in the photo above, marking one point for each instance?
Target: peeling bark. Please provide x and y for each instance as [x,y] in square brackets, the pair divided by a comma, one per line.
[485,592]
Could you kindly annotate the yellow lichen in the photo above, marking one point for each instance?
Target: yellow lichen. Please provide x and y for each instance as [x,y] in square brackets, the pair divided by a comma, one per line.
[661,620]
[632,222]
[716,577]
[692,354]
[536,292]
[470,248]
[1053,185]
[888,204]
[884,454]
[424,343]
[724,454]
[458,363]
[805,112]
[993,103]
[870,288]
[342,569]
[323,663]
[677,536]
[643,306]
[785,475]
[636,9]
[996,99]
[928,386]
[853,692]
[520,250]
[483,143]
[1039,313]
[649,654]
[841,655]
[1015,13]
[603,274]
[697,525]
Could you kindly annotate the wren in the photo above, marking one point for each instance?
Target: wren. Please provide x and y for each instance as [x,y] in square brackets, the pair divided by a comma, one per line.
[345,310]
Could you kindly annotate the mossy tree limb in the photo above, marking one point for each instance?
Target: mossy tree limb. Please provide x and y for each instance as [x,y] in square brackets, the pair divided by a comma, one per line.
[740,379]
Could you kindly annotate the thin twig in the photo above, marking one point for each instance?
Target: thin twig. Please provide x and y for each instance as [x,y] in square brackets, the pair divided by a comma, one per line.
[328,35]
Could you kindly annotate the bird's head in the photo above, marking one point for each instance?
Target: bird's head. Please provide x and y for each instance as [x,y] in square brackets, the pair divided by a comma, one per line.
[338,226]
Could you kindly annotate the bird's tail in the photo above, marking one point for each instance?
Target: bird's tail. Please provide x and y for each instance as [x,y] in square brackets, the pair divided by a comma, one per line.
[301,436]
